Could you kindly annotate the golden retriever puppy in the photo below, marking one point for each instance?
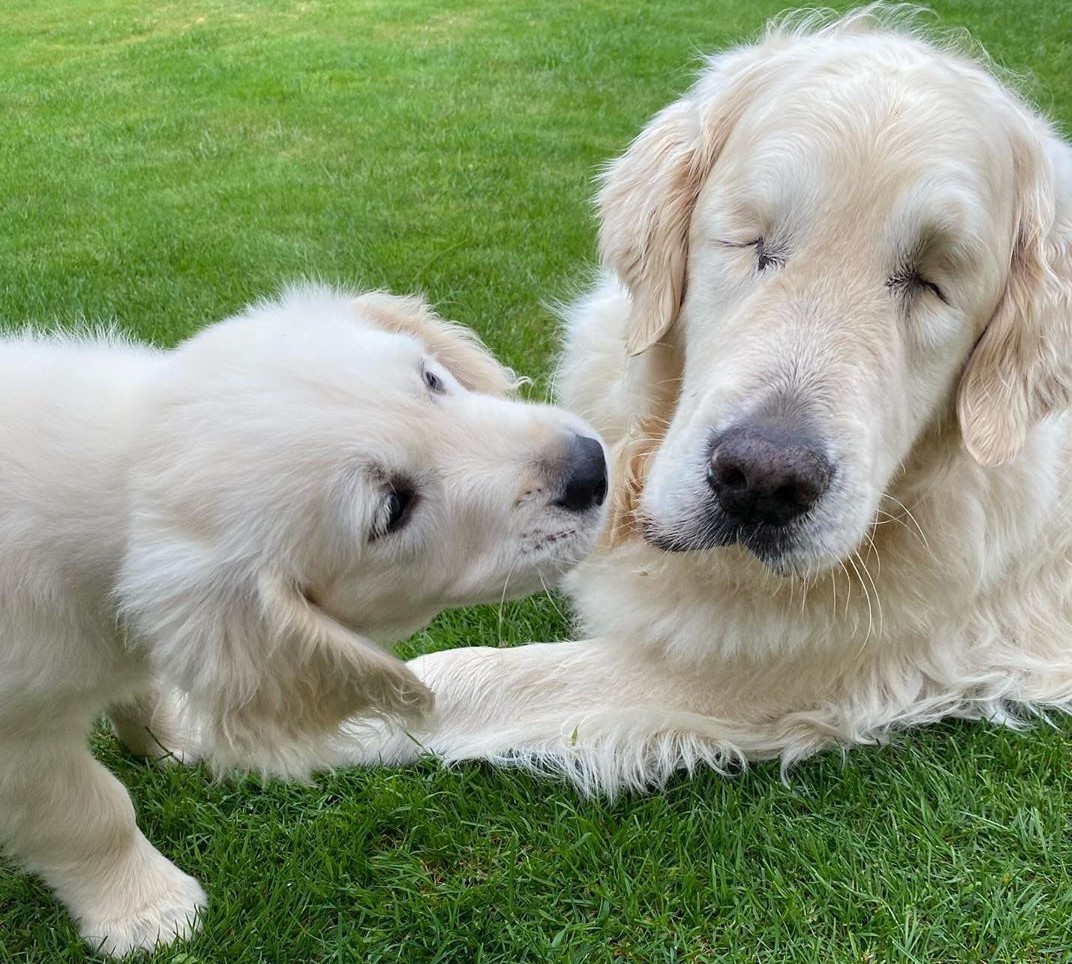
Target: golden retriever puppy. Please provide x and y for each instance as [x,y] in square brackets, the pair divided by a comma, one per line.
[246,519]
[833,356]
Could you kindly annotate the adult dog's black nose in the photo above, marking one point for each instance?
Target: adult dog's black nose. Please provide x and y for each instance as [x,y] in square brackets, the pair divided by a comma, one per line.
[766,473]
[586,481]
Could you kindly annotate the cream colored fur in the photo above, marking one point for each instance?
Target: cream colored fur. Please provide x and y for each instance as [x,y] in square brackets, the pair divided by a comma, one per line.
[215,520]
[915,300]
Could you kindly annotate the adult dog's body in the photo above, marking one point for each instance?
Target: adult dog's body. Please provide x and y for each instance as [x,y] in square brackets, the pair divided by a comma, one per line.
[245,519]
[833,353]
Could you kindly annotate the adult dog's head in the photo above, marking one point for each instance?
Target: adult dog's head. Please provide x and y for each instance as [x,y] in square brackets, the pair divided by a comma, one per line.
[850,237]
[324,473]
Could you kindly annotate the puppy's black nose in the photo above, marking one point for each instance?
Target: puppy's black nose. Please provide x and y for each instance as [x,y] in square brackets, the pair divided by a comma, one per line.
[586,479]
[766,473]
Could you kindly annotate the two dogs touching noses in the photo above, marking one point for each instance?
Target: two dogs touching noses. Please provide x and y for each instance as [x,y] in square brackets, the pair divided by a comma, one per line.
[212,545]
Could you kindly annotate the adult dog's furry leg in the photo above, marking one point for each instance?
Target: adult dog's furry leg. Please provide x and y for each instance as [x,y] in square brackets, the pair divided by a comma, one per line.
[605,713]
[65,817]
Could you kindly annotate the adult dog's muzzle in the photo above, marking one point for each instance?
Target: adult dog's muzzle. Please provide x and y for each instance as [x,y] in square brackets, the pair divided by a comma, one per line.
[763,477]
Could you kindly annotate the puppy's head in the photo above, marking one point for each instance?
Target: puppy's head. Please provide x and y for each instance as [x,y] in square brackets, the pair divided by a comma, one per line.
[853,239]
[324,474]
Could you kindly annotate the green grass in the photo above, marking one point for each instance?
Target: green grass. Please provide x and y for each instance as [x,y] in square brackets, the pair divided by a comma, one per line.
[161,164]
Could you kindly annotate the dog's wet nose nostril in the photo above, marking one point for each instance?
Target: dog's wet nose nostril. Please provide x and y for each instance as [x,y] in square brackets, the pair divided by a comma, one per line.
[766,473]
[733,478]
[586,479]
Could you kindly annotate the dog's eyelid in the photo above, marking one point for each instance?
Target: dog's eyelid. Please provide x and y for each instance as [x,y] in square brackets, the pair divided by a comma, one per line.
[746,242]
[395,509]
[934,289]
[435,383]
[910,280]
[767,255]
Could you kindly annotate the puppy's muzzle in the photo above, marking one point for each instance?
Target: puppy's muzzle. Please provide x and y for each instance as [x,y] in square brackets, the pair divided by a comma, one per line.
[586,475]
[765,475]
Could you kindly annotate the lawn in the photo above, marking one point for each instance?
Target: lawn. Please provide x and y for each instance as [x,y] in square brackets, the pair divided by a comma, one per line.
[163,163]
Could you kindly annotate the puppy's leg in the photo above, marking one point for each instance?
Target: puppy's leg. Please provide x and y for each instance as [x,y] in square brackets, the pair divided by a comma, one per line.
[66,818]
[607,714]
[155,727]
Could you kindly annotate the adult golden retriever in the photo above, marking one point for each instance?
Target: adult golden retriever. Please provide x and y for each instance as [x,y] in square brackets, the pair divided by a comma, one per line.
[246,519]
[832,351]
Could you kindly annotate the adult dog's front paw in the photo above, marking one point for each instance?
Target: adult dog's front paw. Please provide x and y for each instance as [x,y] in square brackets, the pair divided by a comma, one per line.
[156,917]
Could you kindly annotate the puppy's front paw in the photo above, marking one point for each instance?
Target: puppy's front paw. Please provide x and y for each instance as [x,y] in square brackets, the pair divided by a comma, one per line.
[169,911]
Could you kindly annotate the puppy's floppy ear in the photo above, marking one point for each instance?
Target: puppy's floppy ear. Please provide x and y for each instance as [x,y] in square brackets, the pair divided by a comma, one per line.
[268,675]
[456,347]
[1021,368]
[648,194]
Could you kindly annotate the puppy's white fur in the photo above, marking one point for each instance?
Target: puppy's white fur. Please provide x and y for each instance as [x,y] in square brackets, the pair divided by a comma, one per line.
[225,519]
[914,297]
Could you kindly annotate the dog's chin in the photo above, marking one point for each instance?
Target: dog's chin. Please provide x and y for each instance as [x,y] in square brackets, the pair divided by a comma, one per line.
[557,551]
[787,552]
[549,549]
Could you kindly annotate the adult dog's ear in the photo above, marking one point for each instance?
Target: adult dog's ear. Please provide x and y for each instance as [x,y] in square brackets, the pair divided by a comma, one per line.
[645,207]
[1021,368]
[456,347]
[268,675]
[648,194]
